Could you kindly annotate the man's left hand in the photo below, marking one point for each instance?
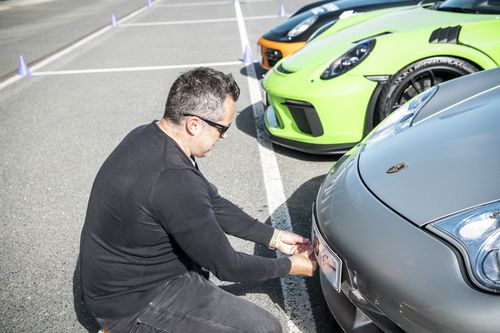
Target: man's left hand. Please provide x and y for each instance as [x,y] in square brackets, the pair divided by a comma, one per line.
[291,243]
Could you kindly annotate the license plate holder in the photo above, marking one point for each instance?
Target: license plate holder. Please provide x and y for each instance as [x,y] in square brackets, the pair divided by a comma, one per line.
[329,262]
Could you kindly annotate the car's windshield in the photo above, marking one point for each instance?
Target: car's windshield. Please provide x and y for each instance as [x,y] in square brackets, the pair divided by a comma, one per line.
[470,6]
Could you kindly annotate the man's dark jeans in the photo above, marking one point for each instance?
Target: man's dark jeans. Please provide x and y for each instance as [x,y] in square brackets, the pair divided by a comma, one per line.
[191,304]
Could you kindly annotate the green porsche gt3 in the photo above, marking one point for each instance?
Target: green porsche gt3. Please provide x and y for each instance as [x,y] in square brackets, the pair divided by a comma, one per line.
[329,95]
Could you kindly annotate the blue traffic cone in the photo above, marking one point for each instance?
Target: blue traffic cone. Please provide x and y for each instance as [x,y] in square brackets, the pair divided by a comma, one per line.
[282,11]
[23,68]
[149,3]
[113,21]
[247,57]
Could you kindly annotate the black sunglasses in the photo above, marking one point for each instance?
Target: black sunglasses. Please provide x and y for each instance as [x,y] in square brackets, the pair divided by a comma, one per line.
[219,127]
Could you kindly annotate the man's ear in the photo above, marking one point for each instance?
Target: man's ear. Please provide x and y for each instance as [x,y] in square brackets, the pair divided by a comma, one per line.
[193,125]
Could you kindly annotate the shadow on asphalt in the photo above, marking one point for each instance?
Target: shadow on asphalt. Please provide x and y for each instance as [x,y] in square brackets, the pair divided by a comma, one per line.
[259,71]
[83,315]
[245,122]
[299,207]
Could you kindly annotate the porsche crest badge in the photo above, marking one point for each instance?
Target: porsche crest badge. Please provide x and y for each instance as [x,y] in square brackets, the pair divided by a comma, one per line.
[398,167]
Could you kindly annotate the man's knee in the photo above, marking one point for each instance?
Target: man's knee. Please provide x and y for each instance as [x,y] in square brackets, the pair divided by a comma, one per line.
[274,325]
[266,323]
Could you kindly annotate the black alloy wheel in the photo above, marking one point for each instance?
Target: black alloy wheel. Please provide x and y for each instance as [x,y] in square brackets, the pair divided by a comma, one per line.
[416,78]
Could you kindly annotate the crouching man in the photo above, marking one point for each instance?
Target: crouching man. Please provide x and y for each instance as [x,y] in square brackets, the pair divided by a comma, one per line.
[154,223]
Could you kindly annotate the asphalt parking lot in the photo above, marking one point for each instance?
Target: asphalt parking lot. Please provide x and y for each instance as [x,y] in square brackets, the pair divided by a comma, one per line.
[59,124]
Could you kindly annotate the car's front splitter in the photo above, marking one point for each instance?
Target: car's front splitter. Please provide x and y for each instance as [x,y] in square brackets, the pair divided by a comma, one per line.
[319,149]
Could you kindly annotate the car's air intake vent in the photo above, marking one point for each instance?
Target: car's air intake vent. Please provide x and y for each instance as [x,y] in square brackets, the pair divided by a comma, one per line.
[448,35]
[282,69]
[305,116]
[273,56]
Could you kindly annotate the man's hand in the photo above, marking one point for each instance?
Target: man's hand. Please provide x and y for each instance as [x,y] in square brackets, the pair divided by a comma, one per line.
[302,264]
[300,249]
[291,243]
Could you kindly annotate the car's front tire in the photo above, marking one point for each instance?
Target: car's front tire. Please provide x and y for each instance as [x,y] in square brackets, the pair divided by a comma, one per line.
[417,77]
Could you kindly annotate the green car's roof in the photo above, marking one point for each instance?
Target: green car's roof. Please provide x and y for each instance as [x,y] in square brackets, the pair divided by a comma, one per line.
[389,24]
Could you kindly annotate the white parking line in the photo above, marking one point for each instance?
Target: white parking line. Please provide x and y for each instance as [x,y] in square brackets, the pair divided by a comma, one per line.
[134,69]
[213,3]
[252,1]
[228,19]
[149,24]
[67,50]
[195,4]
[296,298]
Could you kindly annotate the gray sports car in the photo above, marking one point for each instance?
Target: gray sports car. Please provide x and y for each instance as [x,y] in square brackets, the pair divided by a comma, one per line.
[406,226]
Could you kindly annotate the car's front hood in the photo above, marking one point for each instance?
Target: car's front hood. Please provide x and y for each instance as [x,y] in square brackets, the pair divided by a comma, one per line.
[451,159]
[391,23]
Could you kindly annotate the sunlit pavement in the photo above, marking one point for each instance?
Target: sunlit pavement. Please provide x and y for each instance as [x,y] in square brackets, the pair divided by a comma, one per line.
[59,123]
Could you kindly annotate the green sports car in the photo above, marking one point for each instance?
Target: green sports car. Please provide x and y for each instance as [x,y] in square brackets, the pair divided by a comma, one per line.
[329,95]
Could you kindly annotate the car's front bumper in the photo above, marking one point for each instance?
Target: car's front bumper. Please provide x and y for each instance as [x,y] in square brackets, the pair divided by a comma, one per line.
[317,112]
[350,315]
[396,277]
[310,148]
[272,52]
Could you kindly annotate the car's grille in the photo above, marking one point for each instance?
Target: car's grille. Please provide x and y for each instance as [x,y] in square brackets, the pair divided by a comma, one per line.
[305,116]
[273,56]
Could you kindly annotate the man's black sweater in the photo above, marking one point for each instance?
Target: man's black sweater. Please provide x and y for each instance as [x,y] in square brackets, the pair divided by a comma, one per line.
[151,216]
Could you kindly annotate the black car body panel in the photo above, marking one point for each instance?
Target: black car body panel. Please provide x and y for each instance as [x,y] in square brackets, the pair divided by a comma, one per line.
[279,32]
[310,6]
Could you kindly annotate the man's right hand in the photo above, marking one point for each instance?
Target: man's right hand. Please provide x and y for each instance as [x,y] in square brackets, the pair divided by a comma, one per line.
[303,264]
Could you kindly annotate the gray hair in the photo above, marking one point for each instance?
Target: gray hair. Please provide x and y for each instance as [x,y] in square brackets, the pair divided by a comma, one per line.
[202,92]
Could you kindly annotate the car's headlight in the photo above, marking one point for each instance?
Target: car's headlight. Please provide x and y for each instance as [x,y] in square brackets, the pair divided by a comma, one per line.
[302,26]
[476,233]
[399,119]
[349,60]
